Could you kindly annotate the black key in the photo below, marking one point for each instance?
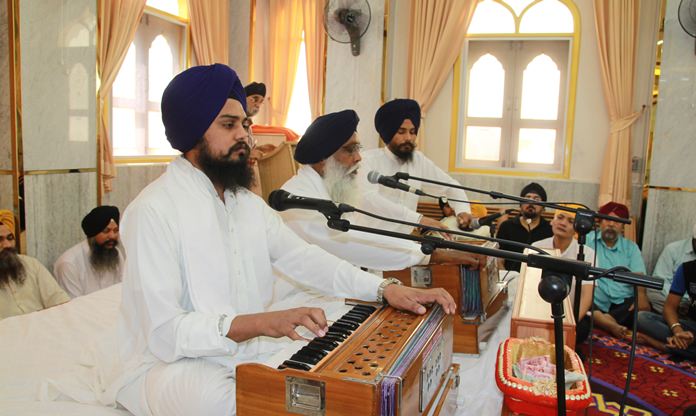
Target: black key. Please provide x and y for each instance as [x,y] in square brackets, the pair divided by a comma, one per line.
[353,319]
[359,316]
[335,337]
[324,343]
[345,332]
[304,358]
[350,324]
[364,308]
[318,351]
[295,365]
[343,326]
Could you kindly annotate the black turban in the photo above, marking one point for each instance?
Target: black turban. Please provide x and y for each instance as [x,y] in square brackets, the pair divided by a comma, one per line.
[325,136]
[534,188]
[255,88]
[194,98]
[98,218]
[389,117]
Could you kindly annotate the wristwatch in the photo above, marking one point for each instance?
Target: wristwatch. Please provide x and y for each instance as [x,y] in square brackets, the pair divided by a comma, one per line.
[383,285]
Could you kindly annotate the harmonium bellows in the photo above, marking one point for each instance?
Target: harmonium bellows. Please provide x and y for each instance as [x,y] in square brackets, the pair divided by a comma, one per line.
[479,293]
[373,361]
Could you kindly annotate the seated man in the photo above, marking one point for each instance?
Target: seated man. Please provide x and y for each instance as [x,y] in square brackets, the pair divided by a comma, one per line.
[675,334]
[613,300]
[255,95]
[527,227]
[202,251]
[25,284]
[330,154]
[397,123]
[564,240]
[674,255]
[97,261]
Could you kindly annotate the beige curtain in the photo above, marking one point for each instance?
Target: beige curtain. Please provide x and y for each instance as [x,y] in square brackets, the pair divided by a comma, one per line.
[210,30]
[285,38]
[118,20]
[315,45]
[617,26]
[438,30]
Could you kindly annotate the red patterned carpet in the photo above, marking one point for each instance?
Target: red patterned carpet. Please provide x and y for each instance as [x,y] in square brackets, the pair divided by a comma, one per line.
[659,386]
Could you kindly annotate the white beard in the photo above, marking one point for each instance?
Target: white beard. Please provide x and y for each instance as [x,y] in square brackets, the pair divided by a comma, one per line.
[341,184]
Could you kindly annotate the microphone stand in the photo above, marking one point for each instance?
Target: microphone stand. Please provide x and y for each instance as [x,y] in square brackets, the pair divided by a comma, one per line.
[553,287]
[584,221]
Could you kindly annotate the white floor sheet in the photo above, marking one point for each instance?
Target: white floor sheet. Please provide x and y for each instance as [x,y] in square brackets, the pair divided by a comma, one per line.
[47,344]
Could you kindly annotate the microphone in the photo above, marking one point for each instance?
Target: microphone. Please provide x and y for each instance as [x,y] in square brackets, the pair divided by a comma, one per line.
[391,182]
[281,200]
[477,223]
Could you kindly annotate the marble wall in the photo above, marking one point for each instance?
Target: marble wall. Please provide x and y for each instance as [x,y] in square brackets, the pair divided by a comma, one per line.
[5,111]
[240,16]
[671,213]
[58,69]
[356,81]
[6,192]
[130,180]
[55,205]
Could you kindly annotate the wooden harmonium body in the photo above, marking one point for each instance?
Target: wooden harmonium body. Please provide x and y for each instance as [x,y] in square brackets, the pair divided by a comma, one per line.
[479,293]
[531,315]
[381,362]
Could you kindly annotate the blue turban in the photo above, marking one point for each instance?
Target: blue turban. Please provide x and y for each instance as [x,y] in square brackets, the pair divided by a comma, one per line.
[325,136]
[255,88]
[194,98]
[389,117]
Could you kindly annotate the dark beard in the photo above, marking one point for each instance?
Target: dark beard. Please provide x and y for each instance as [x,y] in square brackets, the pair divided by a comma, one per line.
[531,214]
[103,259]
[230,174]
[11,268]
[610,235]
[404,151]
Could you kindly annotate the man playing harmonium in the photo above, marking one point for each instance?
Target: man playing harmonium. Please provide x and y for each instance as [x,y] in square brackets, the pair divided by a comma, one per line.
[201,249]
[330,154]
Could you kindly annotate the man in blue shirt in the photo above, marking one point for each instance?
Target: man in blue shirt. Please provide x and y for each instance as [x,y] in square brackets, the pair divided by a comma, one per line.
[673,255]
[614,301]
[675,332]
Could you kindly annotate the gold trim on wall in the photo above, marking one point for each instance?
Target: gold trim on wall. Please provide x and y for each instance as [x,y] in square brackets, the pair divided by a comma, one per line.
[7,172]
[574,39]
[99,168]
[143,160]
[252,25]
[15,70]
[671,188]
[58,171]
[385,46]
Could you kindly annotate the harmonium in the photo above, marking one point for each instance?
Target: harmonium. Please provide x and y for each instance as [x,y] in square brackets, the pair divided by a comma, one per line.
[531,315]
[479,293]
[373,361]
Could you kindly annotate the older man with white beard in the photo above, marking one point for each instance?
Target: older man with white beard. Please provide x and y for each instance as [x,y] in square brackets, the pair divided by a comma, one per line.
[330,154]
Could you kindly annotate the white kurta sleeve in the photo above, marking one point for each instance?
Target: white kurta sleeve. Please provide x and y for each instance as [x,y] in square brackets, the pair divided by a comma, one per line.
[68,277]
[378,204]
[155,288]
[314,267]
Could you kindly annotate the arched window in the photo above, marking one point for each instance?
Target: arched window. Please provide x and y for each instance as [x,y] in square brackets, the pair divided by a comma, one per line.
[157,53]
[517,89]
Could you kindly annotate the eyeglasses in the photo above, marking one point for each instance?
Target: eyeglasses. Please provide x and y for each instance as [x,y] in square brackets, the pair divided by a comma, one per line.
[352,149]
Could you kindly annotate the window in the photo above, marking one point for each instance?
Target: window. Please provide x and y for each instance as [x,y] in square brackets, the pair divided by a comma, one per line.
[516,93]
[299,111]
[157,53]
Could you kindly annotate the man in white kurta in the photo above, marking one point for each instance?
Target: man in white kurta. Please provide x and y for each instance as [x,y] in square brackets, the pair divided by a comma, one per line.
[96,262]
[397,122]
[198,277]
[330,156]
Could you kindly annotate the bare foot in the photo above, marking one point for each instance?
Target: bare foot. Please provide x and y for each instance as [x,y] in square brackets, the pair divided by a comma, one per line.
[618,331]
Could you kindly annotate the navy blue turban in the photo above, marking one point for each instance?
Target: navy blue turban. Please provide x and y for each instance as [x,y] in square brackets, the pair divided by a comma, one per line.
[98,218]
[325,136]
[194,98]
[389,117]
[255,88]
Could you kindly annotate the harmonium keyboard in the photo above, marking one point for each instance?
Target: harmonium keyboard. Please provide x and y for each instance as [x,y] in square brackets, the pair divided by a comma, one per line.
[373,361]
[479,293]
